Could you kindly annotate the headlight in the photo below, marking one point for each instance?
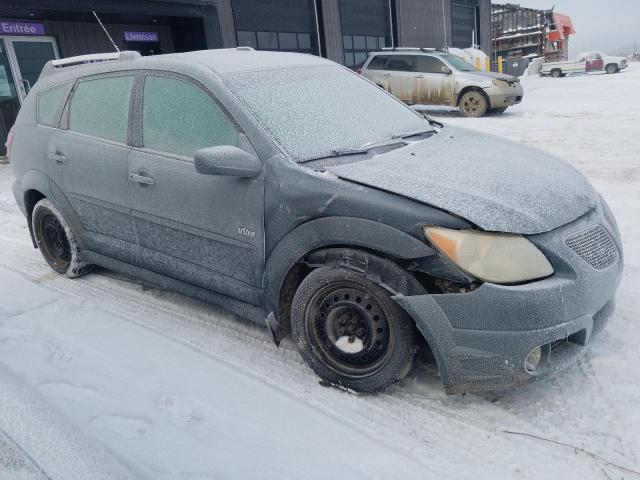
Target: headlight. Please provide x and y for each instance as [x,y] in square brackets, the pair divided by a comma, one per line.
[495,258]
[501,83]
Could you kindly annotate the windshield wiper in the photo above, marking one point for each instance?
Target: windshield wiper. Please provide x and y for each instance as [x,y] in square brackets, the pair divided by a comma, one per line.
[415,133]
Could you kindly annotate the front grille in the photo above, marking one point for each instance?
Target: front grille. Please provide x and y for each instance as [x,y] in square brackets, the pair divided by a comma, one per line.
[595,246]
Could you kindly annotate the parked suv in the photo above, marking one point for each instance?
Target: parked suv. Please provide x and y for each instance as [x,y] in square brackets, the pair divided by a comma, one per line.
[288,189]
[429,77]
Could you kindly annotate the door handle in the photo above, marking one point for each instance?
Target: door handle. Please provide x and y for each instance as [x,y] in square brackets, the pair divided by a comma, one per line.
[141,179]
[58,158]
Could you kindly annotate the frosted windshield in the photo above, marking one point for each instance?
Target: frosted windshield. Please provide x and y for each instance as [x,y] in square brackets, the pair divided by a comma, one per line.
[314,112]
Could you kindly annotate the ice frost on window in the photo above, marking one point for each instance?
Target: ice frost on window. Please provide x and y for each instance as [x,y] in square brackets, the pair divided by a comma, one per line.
[49,103]
[312,111]
[180,118]
[100,107]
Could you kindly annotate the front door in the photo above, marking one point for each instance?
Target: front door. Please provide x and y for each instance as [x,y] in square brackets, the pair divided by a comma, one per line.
[432,85]
[206,230]
[21,61]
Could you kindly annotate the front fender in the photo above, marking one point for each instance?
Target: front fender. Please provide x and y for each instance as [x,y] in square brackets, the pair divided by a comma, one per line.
[335,231]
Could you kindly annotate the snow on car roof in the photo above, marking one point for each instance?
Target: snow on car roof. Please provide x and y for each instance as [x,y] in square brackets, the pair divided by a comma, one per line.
[233,60]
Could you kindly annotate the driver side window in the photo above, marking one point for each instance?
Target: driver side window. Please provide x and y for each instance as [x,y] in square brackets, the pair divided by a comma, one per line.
[180,118]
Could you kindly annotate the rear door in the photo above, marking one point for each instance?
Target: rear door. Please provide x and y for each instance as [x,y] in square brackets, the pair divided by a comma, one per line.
[374,70]
[432,86]
[91,157]
[202,229]
[398,76]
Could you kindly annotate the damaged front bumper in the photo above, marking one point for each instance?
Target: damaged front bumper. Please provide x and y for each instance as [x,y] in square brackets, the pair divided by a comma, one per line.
[481,339]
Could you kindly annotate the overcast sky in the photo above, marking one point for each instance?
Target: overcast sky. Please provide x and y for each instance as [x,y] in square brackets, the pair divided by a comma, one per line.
[611,25]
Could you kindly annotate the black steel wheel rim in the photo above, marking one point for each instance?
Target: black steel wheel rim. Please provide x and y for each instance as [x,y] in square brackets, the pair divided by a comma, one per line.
[53,240]
[349,328]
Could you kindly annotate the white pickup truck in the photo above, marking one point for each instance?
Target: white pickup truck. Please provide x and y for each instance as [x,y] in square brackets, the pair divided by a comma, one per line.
[585,62]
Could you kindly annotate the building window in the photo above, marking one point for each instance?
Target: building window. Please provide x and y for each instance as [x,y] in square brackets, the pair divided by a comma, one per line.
[278,41]
[358,47]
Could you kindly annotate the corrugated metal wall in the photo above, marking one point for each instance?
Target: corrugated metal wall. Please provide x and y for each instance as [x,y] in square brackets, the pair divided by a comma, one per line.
[332,28]
[427,23]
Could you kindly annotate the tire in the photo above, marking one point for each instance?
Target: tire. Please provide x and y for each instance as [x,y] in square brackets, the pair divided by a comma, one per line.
[556,73]
[350,331]
[56,240]
[612,68]
[473,104]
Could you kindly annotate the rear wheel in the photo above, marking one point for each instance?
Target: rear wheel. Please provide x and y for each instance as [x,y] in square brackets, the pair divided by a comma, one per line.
[56,241]
[612,68]
[556,73]
[351,332]
[474,104]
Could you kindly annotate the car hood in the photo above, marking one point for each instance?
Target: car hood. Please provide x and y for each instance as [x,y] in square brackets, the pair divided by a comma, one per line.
[491,182]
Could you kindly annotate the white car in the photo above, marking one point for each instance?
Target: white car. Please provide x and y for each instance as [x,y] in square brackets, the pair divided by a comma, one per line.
[585,62]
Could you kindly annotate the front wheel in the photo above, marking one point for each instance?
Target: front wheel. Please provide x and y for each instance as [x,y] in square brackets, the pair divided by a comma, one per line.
[351,332]
[56,240]
[474,104]
[612,68]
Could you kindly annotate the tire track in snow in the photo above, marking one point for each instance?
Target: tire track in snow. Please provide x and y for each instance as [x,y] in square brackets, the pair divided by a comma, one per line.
[245,346]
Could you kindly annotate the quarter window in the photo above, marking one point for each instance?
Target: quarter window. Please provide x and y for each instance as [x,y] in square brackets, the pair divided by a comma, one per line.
[49,103]
[426,64]
[100,107]
[180,118]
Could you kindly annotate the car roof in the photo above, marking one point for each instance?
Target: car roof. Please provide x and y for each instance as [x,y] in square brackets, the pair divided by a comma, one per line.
[217,61]
[243,59]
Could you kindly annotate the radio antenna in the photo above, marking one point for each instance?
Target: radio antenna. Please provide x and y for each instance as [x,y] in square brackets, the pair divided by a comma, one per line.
[105,31]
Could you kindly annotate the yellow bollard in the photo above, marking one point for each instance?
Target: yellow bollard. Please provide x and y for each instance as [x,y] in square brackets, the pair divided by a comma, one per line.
[478,63]
[500,64]
[487,64]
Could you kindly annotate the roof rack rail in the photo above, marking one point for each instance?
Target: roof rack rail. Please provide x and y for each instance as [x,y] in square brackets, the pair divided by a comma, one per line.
[410,49]
[53,65]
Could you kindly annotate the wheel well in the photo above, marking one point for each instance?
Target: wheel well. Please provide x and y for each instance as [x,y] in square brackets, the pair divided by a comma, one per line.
[611,65]
[31,197]
[473,89]
[380,268]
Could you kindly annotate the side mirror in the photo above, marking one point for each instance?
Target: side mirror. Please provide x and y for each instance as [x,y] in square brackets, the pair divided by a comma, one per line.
[227,160]
[446,70]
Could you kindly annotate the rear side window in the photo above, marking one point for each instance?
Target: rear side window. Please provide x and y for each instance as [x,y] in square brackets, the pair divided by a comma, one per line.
[179,117]
[100,107]
[425,64]
[377,62]
[49,104]
[400,63]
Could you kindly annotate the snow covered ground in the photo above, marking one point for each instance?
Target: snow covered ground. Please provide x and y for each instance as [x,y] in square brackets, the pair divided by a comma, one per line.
[149,384]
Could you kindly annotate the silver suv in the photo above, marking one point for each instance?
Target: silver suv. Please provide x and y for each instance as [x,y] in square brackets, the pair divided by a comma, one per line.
[431,77]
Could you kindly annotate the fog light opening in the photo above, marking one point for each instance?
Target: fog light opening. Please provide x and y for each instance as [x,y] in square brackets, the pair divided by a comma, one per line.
[533,360]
